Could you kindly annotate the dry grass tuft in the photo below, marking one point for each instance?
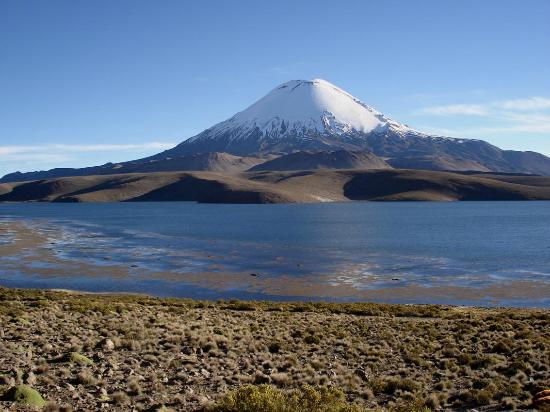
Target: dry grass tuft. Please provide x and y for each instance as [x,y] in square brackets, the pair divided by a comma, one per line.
[97,352]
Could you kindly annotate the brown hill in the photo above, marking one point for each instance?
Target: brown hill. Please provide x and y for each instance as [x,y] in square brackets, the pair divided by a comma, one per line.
[437,162]
[340,159]
[213,162]
[281,187]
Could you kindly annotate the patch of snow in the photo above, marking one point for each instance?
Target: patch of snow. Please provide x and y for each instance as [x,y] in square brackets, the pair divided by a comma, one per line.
[300,107]
[306,108]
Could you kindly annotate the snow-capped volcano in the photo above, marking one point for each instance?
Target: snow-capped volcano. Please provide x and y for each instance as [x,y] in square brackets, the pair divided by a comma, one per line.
[331,127]
[297,115]
[315,115]
[302,107]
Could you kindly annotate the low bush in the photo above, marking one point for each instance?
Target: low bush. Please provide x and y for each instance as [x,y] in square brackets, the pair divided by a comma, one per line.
[265,398]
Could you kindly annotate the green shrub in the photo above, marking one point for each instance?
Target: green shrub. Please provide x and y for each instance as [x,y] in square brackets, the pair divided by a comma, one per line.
[389,386]
[464,359]
[265,398]
[311,339]
[74,357]
[503,347]
[25,395]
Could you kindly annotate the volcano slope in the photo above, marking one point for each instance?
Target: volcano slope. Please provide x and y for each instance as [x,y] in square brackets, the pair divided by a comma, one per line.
[282,187]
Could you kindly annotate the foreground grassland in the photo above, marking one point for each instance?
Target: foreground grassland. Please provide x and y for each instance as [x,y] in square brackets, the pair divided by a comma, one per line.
[98,352]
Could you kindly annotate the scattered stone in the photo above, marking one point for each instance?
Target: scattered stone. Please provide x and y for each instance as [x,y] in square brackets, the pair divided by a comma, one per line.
[261,378]
[30,378]
[163,408]
[48,347]
[362,374]
[186,350]
[108,345]
[103,395]
[542,398]
[280,344]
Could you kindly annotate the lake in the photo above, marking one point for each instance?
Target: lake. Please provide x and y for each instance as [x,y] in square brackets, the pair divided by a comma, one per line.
[471,253]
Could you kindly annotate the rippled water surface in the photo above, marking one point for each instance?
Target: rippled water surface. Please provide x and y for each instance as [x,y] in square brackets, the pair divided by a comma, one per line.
[489,253]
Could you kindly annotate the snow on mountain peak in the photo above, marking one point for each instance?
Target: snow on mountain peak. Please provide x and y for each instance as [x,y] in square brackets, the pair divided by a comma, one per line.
[315,104]
[302,107]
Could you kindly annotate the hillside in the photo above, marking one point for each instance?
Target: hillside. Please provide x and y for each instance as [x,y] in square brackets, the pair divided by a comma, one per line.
[341,159]
[281,187]
[213,162]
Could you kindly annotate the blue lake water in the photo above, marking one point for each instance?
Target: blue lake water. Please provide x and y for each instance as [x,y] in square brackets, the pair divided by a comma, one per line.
[476,253]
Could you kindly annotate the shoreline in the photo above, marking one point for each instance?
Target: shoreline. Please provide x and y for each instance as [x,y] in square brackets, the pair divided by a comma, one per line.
[35,256]
[320,300]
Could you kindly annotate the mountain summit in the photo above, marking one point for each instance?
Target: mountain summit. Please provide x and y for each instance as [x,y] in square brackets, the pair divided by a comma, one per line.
[309,124]
[305,108]
[297,115]
[315,115]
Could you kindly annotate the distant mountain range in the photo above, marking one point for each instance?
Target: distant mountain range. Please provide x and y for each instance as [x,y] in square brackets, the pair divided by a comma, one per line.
[303,125]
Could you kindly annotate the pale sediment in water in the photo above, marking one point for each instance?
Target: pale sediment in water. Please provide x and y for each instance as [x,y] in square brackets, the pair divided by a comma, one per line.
[36,252]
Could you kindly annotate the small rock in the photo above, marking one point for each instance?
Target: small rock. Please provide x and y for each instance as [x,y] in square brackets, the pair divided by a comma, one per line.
[30,378]
[203,400]
[186,350]
[260,378]
[362,374]
[542,398]
[7,380]
[108,345]
[103,395]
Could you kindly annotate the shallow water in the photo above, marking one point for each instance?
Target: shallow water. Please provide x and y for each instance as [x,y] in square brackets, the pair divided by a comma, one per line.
[481,253]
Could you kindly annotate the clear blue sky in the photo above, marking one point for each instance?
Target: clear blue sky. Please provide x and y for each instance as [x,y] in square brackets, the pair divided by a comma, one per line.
[85,82]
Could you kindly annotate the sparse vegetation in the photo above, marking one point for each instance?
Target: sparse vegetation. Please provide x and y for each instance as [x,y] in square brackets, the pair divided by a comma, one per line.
[25,395]
[265,398]
[90,352]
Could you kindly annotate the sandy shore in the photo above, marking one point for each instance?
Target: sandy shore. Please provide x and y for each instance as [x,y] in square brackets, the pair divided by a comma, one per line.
[142,353]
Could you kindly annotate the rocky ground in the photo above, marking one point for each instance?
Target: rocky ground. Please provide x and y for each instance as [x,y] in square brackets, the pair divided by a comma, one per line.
[98,352]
